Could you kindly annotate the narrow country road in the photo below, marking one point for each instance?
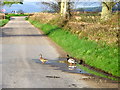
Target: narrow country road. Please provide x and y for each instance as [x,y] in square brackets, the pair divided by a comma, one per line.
[21,45]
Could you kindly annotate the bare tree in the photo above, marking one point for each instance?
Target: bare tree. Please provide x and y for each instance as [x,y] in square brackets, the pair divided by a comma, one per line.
[54,5]
[66,8]
[63,7]
[107,10]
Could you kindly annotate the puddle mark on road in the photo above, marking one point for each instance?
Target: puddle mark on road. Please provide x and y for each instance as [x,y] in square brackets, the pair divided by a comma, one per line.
[52,77]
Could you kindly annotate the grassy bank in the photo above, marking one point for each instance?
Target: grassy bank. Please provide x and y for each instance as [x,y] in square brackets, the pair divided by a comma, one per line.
[3,22]
[7,18]
[9,15]
[95,73]
[98,55]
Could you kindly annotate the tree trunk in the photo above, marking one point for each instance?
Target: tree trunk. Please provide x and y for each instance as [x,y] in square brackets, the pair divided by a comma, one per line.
[59,5]
[65,9]
[106,10]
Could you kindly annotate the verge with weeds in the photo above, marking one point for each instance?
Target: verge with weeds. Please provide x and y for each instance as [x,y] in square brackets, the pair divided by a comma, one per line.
[9,15]
[3,22]
[95,73]
[7,18]
[100,56]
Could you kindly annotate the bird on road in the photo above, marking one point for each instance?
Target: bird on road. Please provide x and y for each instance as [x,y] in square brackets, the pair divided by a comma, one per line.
[42,59]
[74,61]
[71,60]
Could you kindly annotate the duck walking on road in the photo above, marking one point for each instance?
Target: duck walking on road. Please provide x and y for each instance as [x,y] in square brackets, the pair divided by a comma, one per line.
[42,59]
[74,61]
[71,61]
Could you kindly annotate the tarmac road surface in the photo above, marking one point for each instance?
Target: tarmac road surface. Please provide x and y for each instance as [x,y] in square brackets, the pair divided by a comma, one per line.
[21,44]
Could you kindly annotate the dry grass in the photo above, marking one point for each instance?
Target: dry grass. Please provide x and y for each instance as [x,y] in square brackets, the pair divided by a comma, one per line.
[2,15]
[84,26]
[96,32]
[43,17]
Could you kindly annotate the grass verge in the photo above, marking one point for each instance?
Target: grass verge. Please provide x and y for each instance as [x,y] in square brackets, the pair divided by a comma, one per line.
[92,72]
[100,56]
[7,18]
[9,15]
[3,22]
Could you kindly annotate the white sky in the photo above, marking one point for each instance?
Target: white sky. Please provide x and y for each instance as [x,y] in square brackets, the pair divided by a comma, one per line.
[37,0]
[71,0]
[60,0]
[67,0]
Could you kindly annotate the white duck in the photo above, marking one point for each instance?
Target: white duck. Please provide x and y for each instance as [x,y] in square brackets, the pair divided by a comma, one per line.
[71,60]
[74,61]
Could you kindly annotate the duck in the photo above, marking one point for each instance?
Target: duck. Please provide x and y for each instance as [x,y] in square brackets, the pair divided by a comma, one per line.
[71,60]
[42,59]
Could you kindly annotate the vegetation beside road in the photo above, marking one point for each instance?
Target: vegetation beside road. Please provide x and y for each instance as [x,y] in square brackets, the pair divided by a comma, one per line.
[100,55]
[9,15]
[3,22]
[96,73]
[85,26]
[7,18]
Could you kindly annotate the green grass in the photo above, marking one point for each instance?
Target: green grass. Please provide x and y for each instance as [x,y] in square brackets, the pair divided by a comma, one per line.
[98,55]
[96,73]
[9,15]
[26,18]
[7,18]
[3,22]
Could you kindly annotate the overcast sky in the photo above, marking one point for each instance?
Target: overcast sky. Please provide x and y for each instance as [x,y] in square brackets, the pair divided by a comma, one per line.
[29,6]
[60,0]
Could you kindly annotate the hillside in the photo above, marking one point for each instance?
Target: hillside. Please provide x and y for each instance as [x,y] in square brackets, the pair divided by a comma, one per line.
[97,9]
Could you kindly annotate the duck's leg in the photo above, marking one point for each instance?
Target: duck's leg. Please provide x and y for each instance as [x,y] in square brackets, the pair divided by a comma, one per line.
[44,61]
[70,64]
[75,64]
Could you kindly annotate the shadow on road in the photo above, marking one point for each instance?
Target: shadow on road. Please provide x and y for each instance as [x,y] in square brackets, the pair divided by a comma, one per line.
[22,35]
[64,66]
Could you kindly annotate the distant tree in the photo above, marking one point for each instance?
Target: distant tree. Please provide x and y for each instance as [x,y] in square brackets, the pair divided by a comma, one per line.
[20,11]
[97,9]
[80,9]
[55,6]
[63,7]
